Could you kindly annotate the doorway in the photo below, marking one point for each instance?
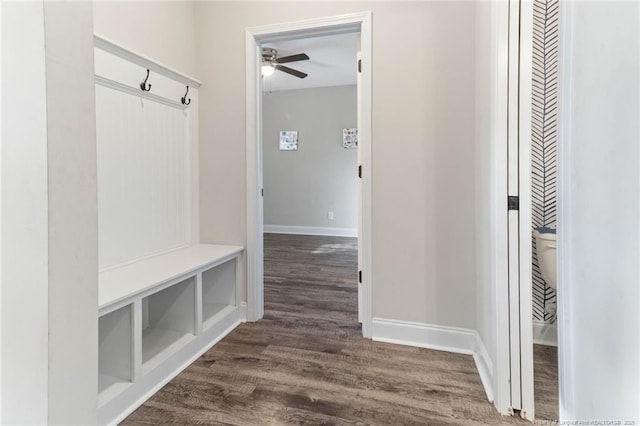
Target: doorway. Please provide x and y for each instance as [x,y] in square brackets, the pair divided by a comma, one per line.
[255,38]
[310,181]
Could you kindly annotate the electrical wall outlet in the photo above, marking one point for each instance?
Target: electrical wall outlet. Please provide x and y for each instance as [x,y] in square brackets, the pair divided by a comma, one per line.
[330,215]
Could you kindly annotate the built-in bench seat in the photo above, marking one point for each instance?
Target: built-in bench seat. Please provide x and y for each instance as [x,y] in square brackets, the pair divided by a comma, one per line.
[157,315]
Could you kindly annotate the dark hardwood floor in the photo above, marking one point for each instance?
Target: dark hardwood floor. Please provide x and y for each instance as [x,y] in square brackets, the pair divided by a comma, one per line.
[307,363]
[545,381]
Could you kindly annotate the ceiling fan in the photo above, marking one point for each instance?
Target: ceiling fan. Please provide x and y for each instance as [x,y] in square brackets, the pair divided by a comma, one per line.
[271,62]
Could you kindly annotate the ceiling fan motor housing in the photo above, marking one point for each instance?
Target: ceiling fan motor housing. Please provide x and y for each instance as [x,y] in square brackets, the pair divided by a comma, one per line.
[269,55]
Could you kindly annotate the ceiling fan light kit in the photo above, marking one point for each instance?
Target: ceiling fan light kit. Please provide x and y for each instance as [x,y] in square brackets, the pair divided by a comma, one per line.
[271,62]
[268,69]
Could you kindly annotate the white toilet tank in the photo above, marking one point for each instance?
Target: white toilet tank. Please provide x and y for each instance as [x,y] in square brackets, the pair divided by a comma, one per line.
[546,249]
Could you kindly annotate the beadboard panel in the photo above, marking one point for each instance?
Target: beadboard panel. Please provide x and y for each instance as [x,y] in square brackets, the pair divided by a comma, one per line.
[143,183]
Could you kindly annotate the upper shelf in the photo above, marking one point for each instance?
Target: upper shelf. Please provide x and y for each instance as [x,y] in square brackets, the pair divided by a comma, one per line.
[110,46]
[126,281]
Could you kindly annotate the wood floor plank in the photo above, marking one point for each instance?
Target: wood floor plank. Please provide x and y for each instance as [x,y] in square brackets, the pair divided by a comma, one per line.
[545,381]
[306,363]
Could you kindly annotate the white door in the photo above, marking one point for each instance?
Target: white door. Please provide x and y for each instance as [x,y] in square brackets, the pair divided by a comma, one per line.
[519,206]
[359,186]
[524,191]
[513,205]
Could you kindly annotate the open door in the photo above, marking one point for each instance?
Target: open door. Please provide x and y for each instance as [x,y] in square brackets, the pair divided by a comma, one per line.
[513,205]
[518,205]
[359,185]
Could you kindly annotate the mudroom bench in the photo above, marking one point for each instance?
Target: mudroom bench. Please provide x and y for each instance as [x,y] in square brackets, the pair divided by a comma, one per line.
[157,315]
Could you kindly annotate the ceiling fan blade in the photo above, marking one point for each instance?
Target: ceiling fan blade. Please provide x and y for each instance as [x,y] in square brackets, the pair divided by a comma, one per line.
[291,71]
[292,58]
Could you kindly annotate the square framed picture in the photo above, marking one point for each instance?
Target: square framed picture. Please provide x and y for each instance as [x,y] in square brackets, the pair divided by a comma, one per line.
[288,140]
[349,138]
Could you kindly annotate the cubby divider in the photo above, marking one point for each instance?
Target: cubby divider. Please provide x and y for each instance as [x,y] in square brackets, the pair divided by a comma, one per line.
[115,353]
[218,290]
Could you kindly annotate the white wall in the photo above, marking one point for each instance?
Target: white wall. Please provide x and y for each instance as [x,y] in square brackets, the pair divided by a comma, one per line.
[490,191]
[302,186]
[423,146]
[162,30]
[599,213]
[73,215]
[485,291]
[24,286]
[49,217]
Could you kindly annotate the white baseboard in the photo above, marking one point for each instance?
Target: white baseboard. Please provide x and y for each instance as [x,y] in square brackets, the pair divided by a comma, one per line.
[545,333]
[484,366]
[441,338]
[243,311]
[450,339]
[311,230]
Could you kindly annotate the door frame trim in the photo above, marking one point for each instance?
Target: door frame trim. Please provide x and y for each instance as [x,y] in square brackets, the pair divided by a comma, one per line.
[526,223]
[254,37]
[502,380]
[499,234]
[566,371]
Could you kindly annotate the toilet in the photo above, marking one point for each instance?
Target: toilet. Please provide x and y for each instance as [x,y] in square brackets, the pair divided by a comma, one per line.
[546,249]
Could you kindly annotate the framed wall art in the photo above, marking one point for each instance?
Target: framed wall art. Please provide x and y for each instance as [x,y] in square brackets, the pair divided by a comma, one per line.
[288,140]
[349,138]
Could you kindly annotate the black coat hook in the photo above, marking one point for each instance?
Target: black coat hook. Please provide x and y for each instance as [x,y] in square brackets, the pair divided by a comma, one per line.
[184,98]
[143,85]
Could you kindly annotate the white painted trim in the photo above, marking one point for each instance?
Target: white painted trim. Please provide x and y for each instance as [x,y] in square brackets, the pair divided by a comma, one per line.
[440,338]
[366,137]
[545,333]
[311,230]
[243,311]
[485,367]
[142,258]
[359,183]
[110,46]
[193,165]
[112,84]
[254,37]
[328,25]
[499,263]
[524,170]
[566,372]
[1,103]
[0,225]
[254,253]
[514,216]
[518,109]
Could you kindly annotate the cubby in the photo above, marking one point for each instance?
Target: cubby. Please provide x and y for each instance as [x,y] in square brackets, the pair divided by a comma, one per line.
[168,322]
[115,355]
[157,315]
[218,291]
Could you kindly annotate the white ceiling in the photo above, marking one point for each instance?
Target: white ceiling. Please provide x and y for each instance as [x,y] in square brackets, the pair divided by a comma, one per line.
[332,62]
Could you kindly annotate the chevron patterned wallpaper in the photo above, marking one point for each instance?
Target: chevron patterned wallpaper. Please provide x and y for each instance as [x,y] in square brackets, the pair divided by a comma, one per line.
[544,138]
